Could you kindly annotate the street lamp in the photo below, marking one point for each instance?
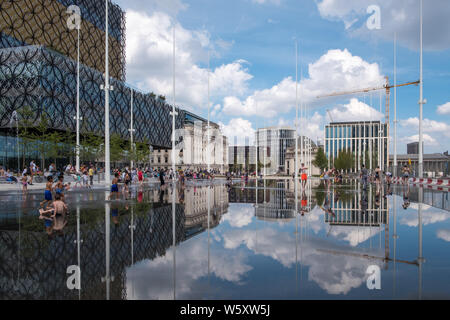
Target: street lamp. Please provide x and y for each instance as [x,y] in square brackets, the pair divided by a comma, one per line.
[76,24]
[296,115]
[107,88]
[132,130]
[421,101]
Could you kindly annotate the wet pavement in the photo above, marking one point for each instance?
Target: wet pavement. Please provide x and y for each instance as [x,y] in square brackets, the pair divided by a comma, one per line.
[246,242]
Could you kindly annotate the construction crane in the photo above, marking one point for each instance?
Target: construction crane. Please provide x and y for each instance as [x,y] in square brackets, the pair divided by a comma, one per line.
[329,114]
[386,87]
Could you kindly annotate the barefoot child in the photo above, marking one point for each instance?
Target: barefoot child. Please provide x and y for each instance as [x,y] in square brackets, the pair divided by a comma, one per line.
[48,192]
[47,216]
[59,187]
[24,184]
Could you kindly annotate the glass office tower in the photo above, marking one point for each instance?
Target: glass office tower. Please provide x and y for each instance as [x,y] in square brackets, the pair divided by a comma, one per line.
[366,140]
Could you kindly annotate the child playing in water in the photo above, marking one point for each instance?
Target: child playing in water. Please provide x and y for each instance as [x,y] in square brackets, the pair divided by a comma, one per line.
[24,184]
[47,216]
[48,192]
[60,187]
[59,206]
[115,186]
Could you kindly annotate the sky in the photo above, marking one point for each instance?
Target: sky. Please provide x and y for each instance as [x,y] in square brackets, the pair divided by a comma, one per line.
[251,45]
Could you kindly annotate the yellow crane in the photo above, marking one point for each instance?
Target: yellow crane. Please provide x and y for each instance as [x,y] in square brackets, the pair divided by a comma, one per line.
[386,87]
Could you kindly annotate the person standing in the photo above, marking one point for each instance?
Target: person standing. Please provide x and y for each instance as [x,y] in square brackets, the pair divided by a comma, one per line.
[140,176]
[161,178]
[32,171]
[364,175]
[406,171]
[304,175]
[91,175]
[378,176]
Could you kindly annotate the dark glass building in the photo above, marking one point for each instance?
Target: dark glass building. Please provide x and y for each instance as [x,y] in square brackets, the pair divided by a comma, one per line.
[38,72]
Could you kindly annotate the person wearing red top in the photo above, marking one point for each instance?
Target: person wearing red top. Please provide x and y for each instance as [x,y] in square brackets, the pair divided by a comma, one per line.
[140,177]
[303,171]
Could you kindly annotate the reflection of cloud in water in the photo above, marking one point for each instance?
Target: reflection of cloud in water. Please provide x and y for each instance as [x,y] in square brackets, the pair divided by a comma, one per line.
[268,242]
[430,215]
[336,274]
[153,280]
[444,234]
[239,215]
[353,235]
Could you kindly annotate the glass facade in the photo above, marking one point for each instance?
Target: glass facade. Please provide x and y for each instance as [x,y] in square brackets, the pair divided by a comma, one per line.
[366,140]
[273,144]
[38,73]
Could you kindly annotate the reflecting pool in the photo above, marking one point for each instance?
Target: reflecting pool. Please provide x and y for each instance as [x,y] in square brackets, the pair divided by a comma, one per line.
[265,240]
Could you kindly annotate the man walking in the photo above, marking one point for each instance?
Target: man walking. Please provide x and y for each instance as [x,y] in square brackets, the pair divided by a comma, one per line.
[91,175]
[364,177]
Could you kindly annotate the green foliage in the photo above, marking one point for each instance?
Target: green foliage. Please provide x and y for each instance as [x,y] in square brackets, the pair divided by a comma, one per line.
[345,161]
[117,148]
[321,160]
[91,147]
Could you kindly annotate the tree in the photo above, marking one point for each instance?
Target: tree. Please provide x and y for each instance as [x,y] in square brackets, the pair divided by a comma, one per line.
[116,148]
[140,153]
[41,135]
[345,161]
[321,160]
[26,116]
[91,147]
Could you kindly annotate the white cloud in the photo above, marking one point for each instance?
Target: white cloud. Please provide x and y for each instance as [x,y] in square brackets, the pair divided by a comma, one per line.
[239,215]
[400,16]
[192,265]
[429,140]
[337,70]
[435,135]
[150,67]
[240,129]
[429,216]
[428,125]
[444,109]
[444,234]
[354,111]
[276,2]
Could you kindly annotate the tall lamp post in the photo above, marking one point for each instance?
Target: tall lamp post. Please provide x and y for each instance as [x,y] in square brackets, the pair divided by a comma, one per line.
[107,88]
[296,116]
[132,130]
[74,22]
[395,106]
[421,101]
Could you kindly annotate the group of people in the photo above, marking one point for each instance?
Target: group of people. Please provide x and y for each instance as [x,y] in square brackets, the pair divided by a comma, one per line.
[53,209]
[332,175]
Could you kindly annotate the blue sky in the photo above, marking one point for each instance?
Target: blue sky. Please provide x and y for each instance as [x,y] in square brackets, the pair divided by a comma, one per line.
[253,61]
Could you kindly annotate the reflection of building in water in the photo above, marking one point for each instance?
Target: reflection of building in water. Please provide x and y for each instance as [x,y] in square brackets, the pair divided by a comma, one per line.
[275,206]
[32,267]
[195,201]
[196,208]
[358,210]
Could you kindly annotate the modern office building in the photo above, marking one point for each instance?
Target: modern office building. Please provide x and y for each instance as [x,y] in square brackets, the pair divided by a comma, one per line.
[366,140]
[242,158]
[273,144]
[38,73]
[413,148]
